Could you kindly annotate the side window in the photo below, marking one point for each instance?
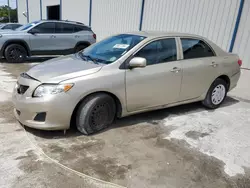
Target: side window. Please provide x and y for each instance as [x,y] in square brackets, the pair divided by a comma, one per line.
[64,28]
[159,51]
[46,28]
[7,27]
[195,48]
[15,26]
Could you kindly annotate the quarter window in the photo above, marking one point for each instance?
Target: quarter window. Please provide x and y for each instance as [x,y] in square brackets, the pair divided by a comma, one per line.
[195,48]
[159,51]
[81,28]
[46,28]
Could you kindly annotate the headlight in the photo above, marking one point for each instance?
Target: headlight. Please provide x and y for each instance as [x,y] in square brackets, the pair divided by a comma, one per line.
[51,89]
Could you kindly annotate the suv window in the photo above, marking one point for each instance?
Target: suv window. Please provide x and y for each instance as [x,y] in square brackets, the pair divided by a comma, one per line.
[159,51]
[195,48]
[64,28]
[70,28]
[81,28]
[46,27]
[9,26]
[15,26]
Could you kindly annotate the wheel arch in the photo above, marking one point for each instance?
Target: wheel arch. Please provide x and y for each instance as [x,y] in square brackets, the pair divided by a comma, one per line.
[20,42]
[82,43]
[116,99]
[226,79]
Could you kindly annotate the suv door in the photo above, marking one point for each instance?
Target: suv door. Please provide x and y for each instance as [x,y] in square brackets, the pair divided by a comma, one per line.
[65,39]
[159,82]
[43,38]
[199,66]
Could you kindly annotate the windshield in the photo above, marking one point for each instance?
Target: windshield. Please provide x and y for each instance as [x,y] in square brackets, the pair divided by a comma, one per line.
[111,49]
[27,26]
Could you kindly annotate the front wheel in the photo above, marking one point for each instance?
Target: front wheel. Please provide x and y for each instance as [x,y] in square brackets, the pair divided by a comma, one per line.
[95,113]
[216,94]
[15,53]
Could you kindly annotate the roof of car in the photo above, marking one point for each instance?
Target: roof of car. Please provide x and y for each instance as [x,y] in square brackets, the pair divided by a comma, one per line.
[163,34]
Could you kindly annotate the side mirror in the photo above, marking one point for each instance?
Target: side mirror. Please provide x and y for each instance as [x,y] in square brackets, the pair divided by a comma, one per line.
[33,31]
[137,62]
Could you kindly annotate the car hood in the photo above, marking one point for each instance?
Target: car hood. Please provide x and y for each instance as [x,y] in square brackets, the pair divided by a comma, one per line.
[63,68]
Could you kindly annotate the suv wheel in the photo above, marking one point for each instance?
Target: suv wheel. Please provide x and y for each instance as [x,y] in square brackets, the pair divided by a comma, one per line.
[15,53]
[95,113]
[216,94]
[80,47]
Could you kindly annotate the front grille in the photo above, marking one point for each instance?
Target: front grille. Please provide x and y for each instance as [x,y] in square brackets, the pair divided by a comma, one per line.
[21,89]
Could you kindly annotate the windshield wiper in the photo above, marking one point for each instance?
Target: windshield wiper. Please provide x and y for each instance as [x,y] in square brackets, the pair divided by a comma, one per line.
[94,60]
[88,57]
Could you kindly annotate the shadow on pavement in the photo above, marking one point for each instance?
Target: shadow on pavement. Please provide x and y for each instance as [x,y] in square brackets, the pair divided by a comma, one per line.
[153,117]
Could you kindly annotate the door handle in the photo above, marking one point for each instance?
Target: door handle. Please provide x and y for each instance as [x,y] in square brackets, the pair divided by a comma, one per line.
[213,64]
[52,36]
[175,70]
[76,36]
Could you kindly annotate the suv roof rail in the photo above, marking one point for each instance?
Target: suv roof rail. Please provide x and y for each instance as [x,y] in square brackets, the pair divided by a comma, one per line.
[80,23]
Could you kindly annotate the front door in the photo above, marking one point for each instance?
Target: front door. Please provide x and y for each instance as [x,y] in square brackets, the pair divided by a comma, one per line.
[199,66]
[44,38]
[159,82]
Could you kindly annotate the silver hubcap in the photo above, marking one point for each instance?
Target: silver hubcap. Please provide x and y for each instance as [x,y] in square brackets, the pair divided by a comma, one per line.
[218,94]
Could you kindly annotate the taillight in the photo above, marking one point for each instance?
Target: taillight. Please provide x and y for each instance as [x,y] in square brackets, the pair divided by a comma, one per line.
[94,36]
[240,62]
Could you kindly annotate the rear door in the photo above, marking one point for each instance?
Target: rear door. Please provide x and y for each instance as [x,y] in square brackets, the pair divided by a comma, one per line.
[199,65]
[65,37]
[44,38]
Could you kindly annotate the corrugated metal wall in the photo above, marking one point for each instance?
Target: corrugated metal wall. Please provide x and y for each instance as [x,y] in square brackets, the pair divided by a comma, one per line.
[34,10]
[22,7]
[115,16]
[78,11]
[213,19]
[242,42]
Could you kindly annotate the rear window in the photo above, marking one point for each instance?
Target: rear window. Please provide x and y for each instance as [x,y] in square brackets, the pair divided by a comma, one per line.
[195,48]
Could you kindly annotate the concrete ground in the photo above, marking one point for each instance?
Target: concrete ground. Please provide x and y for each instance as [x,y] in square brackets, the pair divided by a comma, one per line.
[185,146]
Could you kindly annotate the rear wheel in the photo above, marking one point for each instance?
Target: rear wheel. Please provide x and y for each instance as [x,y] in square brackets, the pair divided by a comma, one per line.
[15,53]
[95,113]
[80,47]
[216,94]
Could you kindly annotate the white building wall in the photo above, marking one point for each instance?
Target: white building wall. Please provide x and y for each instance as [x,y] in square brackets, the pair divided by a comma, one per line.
[46,3]
[34,10]
[214,19]
[77,11]
[242,42]
[115,16]
[21,4]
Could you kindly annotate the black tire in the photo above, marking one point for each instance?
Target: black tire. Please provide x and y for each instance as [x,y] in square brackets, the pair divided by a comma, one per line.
[80,47]
[208,101]
[15,53]
[95,113]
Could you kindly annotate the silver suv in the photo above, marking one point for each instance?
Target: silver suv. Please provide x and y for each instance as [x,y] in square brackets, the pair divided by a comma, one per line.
[45,38]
